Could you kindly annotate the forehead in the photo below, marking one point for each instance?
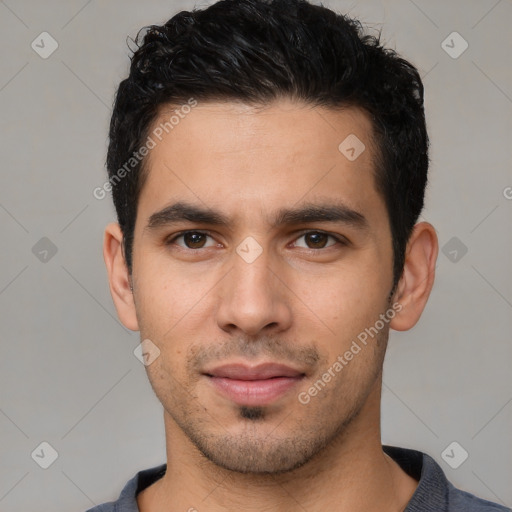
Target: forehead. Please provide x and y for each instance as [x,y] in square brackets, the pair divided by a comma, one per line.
[222,127]
[241,157]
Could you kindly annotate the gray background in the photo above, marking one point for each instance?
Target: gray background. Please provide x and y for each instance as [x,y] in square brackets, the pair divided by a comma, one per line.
[68,375]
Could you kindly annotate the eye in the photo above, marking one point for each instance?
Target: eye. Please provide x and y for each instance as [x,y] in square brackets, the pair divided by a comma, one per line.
[317,240]
[199,240]
[192,240]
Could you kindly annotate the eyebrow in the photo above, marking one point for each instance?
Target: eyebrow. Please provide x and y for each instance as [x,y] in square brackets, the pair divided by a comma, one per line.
[304,214]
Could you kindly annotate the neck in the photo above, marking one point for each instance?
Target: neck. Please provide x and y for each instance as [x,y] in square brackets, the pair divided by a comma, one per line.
[350,474]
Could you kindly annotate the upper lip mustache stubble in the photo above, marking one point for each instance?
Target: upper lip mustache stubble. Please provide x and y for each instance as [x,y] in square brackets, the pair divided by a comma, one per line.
[262,371]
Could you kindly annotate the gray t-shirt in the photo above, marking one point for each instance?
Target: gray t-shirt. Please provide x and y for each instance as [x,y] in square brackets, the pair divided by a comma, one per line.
[433,494]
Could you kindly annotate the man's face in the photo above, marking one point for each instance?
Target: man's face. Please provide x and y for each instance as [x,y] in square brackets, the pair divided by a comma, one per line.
[252,301]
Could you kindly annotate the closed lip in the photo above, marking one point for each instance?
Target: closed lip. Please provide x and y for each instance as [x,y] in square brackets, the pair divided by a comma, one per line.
[263,371]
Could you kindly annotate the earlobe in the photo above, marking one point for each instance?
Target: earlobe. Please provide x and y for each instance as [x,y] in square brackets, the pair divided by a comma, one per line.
[118,276]
[417,279]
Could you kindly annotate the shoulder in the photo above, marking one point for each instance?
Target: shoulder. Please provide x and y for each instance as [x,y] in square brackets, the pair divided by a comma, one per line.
[127,501]
[462,501]
[104,507]
[434,491]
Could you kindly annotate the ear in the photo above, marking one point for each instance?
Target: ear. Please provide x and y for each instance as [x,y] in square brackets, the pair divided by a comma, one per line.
[417,279]
[118,276]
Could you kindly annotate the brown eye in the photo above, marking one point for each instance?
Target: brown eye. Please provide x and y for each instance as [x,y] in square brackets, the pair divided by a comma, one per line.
[192,240]
[316,240]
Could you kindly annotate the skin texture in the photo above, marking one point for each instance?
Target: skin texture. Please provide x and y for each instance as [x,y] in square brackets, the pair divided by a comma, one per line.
[301,302]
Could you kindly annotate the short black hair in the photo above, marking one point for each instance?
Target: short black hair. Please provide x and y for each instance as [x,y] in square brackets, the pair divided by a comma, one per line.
[258,51]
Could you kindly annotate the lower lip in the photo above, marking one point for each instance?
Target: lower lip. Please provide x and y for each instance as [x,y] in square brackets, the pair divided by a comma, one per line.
[254,392]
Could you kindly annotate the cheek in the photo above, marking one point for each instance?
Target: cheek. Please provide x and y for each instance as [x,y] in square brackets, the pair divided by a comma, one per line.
[168,297]
[346,299]
[171,310]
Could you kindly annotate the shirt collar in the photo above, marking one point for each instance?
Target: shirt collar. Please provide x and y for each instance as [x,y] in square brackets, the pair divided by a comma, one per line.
[431,493]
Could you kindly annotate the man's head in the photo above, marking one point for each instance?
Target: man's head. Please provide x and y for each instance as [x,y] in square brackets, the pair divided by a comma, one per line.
[269,233]
[258,51]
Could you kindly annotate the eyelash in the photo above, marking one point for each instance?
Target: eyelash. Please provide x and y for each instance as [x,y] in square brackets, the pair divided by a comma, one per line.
[340,240]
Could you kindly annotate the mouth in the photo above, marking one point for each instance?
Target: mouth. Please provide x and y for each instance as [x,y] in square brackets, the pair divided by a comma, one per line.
[253,385]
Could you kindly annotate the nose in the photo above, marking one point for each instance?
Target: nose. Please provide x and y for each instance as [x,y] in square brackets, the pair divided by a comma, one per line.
[253,299]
